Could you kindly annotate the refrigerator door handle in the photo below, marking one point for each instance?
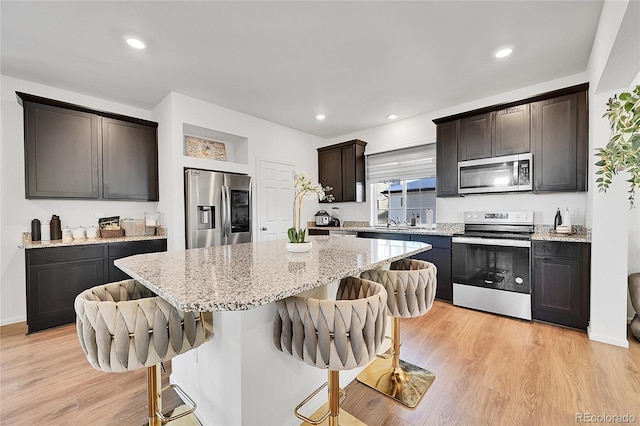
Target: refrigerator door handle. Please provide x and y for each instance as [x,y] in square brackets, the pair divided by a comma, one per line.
[223,214]
[226,207]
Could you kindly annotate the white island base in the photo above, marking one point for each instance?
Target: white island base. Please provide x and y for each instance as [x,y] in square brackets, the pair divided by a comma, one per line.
[240,378]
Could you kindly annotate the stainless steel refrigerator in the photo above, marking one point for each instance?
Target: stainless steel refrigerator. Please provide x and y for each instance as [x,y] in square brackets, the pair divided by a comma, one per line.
[217,208]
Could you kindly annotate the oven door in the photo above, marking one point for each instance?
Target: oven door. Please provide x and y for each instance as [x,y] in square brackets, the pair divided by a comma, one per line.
[492,275]
[492,263]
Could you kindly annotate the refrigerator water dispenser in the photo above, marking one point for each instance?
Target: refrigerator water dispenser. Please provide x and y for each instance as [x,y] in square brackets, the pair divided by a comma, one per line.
[206,217]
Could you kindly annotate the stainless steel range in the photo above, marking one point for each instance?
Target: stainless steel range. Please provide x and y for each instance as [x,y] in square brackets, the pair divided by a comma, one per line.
[491,263]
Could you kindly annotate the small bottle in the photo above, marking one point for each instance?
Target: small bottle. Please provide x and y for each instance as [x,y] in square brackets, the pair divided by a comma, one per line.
[566,219]
[557,221]
[35,230]
[413,220]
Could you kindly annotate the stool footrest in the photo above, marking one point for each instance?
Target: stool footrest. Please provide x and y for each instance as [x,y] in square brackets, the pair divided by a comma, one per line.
[343,395]
[187,400]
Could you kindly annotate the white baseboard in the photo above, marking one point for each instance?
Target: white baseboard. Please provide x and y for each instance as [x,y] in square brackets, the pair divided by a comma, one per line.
[624,343]
[7,321]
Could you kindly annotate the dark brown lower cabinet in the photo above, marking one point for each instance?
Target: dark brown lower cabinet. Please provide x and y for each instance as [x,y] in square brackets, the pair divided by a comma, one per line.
[56,275]
[439,255]
[561,283]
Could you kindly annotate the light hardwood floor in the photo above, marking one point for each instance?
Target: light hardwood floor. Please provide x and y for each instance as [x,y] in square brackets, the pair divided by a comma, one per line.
[489,370]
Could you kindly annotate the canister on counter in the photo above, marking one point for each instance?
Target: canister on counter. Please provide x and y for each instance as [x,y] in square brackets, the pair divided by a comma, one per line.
[35,230]
[55,228]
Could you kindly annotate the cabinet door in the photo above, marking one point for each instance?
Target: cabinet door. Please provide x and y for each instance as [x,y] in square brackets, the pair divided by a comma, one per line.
[353,173]
[120,250]
[512,131]
[129,161]
[54,278]
[447,159]
[439,255]
[557,283]
[559,143]
[475,137]
[61,152]
[330,171]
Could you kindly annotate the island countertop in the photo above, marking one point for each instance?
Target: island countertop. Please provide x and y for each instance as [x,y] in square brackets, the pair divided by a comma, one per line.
[244,276]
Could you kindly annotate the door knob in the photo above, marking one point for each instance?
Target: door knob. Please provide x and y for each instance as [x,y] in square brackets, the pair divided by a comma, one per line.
[264,228]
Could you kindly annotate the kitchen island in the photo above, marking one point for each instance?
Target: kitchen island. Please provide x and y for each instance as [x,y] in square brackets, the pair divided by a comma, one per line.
[238,377]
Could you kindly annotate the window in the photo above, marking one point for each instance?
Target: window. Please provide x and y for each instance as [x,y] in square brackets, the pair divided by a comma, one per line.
[403,184]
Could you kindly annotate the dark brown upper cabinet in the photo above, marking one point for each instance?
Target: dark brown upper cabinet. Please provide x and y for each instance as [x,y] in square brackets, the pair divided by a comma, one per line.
[475,137]
[130,161]
[554,126]
[560,142]
[342,167]
[447,159]
[75,152]
[512,131]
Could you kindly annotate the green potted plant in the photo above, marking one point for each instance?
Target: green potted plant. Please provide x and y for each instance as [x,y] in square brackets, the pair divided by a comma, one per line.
[305,188]
[623,150]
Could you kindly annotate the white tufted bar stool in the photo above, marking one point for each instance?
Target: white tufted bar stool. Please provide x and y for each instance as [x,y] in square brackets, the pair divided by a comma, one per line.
[411,287]
[123,326]
[335,335]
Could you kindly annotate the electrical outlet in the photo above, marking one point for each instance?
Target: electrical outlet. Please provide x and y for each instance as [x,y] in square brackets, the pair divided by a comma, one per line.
[573,213]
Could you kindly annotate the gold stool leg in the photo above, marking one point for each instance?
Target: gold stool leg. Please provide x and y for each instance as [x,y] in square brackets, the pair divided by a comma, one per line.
[154,394]
[330,413]
[400,380]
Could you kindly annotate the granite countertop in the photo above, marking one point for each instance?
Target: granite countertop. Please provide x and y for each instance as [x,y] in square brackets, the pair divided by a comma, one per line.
[580,233]
[244,276]
[28,244]
[445,229]
[571,238]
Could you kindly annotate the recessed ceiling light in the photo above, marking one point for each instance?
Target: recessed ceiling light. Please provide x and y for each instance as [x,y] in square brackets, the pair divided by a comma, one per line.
[320,117]
[502,53]
[136,43]
[392,116]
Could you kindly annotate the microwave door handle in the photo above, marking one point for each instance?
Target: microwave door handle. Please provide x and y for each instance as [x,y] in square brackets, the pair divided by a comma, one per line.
[516,173]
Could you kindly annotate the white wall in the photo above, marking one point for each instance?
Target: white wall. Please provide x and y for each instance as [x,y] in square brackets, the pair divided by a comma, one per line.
[16,212]
[420,129]
[610,215]
[266,140]
[634,236]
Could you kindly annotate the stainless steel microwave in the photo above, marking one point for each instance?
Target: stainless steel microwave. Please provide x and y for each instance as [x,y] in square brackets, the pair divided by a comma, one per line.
[497,174]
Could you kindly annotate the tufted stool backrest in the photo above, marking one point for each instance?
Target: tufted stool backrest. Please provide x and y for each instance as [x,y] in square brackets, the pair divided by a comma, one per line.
[123,326]
[333,334]
[410,284]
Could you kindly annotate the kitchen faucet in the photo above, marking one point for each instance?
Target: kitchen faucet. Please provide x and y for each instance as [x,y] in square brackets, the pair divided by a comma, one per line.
[390,221]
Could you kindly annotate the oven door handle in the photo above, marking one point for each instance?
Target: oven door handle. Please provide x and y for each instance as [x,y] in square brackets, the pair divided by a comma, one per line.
[491,242]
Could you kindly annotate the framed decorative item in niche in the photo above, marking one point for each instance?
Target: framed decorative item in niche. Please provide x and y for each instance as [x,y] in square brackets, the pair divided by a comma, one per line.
[204,148]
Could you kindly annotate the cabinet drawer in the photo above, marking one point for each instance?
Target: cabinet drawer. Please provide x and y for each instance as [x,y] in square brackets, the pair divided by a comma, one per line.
[43,256]
[136,247]
[557,249]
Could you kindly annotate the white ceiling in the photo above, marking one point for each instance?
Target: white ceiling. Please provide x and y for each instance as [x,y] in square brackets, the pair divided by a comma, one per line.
[356,62]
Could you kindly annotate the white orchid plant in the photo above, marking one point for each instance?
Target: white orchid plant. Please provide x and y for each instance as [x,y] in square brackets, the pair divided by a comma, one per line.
[305,188]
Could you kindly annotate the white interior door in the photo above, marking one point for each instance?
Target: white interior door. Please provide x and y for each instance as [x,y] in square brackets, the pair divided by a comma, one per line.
[274,199]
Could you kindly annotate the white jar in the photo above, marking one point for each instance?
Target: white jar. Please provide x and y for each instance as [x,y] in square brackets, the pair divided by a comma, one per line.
[92,232]
[67,234]
[79,233]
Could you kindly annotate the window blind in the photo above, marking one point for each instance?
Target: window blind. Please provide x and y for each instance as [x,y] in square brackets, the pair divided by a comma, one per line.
[407,163]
